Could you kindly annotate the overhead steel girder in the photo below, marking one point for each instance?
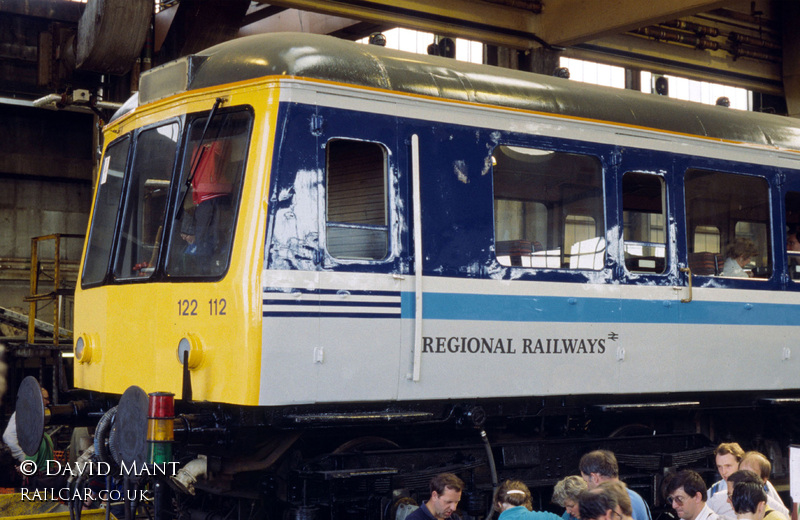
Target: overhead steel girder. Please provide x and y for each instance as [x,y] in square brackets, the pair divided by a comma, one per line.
[569,22]
[482,21]
[561,22]
[297,21]
[626,50]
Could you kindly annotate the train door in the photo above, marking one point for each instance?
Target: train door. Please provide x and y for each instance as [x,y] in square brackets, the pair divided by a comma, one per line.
[736,297]
[647,265]
[331,294]
[360,291]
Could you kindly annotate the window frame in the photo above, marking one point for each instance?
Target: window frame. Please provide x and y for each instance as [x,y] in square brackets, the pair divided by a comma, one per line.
[125,202]
[712,269]
[665,217]
[385,228]
[179,191]
[565,209]
[110,252]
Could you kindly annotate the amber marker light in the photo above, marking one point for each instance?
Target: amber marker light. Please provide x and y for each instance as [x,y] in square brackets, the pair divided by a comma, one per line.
[160,421]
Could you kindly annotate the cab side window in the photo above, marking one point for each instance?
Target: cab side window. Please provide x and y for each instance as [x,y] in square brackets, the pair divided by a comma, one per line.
[357,221]
[109,189]
[727,218]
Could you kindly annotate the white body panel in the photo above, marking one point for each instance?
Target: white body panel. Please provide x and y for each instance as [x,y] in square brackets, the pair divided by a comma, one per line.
[367,359]
[344,359]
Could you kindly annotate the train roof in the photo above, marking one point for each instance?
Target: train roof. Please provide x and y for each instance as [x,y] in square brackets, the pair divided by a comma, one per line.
[331,59]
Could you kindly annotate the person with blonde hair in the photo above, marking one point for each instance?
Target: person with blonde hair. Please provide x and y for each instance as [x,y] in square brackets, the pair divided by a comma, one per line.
[513,501]
[565,494]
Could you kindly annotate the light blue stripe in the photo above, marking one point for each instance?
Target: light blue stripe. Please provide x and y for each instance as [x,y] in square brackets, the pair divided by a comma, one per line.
[486,307]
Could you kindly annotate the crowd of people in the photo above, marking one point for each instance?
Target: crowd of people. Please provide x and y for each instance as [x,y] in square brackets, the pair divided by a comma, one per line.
[744,492]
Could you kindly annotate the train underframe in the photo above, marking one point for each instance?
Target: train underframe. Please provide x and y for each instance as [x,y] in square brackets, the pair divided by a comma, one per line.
[368,462]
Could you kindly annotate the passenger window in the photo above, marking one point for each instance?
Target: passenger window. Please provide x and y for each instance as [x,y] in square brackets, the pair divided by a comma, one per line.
[644,233]
[793,234]
[146,202]
[548,209]
[357,219]
[727,218]
[707,238]
[213,171]
[101,235]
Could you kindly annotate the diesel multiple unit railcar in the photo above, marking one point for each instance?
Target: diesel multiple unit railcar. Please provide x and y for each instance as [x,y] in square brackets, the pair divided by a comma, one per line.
[347,261]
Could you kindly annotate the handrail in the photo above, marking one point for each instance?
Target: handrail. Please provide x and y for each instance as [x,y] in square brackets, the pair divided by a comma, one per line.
[689,278]
[417,201]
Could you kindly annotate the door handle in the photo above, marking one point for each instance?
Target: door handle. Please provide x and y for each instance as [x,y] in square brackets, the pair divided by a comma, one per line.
[688,272]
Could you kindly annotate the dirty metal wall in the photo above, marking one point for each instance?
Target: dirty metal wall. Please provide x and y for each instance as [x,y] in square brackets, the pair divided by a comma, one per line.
[45,188]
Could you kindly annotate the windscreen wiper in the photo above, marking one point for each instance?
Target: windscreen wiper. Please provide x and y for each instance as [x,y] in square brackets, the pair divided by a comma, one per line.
[199,157]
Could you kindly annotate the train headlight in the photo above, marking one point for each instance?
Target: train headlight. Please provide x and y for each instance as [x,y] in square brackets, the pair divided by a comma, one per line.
[84,348]
[190,344]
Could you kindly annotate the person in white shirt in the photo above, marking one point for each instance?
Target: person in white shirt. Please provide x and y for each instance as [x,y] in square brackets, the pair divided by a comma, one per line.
[10,439]
[759,464]
[10,433]
[747,476]
[727,457]
[686,493]
[721,501]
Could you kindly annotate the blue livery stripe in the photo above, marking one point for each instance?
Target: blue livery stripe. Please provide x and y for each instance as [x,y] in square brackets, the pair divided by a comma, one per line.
[292,291]
[513,308]
[314,304]
[324,303]
[519,308]
[276,314]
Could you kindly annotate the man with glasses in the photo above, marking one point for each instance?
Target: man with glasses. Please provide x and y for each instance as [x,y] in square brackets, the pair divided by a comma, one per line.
[601,466]
[686,493]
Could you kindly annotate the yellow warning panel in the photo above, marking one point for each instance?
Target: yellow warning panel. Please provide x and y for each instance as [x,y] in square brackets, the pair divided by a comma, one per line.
[13,507]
